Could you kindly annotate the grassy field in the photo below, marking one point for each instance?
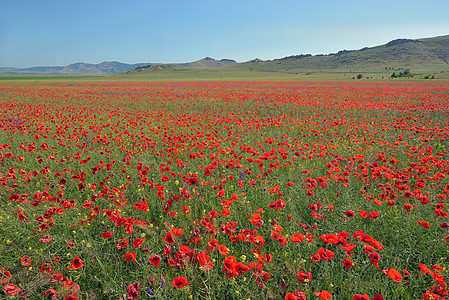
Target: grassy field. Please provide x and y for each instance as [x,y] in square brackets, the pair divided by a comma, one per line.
[31,77]
[423,58]
[234,74]
[128,188]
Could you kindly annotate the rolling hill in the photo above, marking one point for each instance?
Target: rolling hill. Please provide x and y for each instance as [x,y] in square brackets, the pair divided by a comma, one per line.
[206,62]
[106,67]
[420,56]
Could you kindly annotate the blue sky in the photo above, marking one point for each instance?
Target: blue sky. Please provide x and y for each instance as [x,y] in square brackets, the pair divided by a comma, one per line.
[50,33]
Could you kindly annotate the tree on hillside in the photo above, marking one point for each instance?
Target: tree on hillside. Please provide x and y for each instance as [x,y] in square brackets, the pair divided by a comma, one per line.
[406,73]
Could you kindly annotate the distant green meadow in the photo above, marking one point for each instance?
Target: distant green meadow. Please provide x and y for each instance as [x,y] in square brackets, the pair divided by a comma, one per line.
[244,72]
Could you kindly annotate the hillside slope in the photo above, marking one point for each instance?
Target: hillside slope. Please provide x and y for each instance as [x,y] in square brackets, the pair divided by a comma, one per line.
[423,55]
[106,67]
[429,55]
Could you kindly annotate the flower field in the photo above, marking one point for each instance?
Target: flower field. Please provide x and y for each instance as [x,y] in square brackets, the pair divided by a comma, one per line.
[224,190]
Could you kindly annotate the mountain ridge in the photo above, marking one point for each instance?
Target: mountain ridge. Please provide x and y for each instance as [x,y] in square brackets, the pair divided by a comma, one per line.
[420,55]
[79,68]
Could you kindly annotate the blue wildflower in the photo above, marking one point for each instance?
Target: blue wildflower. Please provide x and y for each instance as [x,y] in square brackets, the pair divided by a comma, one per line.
[149,291]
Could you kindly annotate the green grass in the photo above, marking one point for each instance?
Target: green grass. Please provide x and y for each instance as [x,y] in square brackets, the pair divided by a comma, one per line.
[246,74]
[38,77]
[222,74]
[110,121]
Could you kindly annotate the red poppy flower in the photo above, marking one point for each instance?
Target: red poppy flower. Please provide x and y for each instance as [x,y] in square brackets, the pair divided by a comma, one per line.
[275,235]
[241,268]
[130,255]
[374,259]
[179,282]
[325,254]
[290,296]
[431,296]
[123,244]
[52,293]
[46,267]
[155,260]
[133,291]
[377,202]
[405,273]
[166,250]
[349,213]
[12,289]
[310,193]
[256,220]
[87,204]
[424,224]
[315,258]
[363,214]
[323,295]
[21,215]
[393,274]
[223,250]
[142,206]
[378,297]
[377,245]
[347,263]
[106,235]
[331,239]
[177,231]
[45,239]
[225,212]
[71,297]
[367,239]
[373,215]
[172,262]
[440,213]
[424,269]
[25,260]
[316,206]
[439,279]
[348,248]
[229,263]
[138,242]
[408,207]
[184,249]
[436,268]
[169,238]
[75,264]
[360,297]
[302,276]
[278,205]
[213,243]
[368,249]
[297,238]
